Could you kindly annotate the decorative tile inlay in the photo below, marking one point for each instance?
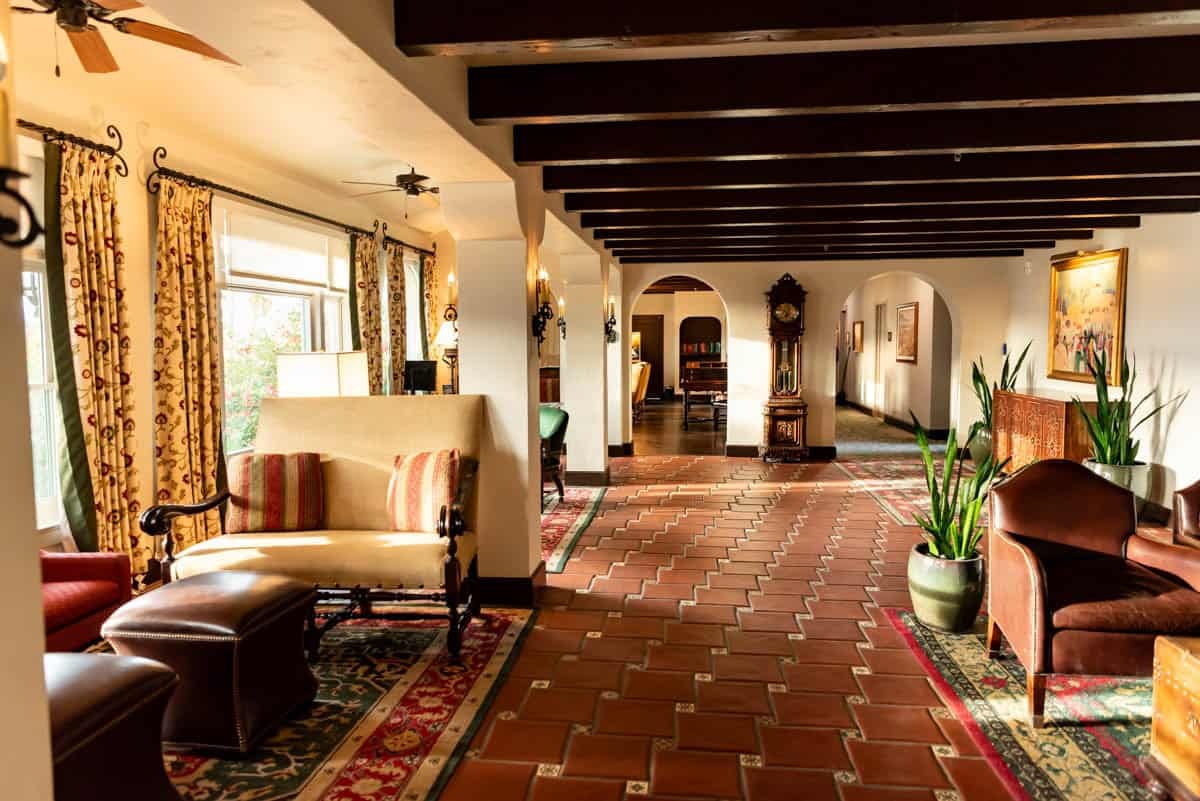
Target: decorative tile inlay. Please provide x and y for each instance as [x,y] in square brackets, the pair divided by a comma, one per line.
[720,651]
[507,715]
[637,788]
[610,695]
[704,677]
[946,795]
[546,769]
[860,670]
[845,777]
[944,750]
[851,734]
[750,760]
[796,636]
[777,687]
[616,615]
[682,707]
[942,712]
[663,743]
[595,635]
[856,699]
[540,684]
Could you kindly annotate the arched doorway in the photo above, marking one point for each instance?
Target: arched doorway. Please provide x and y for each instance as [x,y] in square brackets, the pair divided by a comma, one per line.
[894,359]
[679,330]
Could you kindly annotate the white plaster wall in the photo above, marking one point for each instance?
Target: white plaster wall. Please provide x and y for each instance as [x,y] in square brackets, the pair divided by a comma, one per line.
[923,386]
[619,355]
[1161,329]
[975,290]
[675,308]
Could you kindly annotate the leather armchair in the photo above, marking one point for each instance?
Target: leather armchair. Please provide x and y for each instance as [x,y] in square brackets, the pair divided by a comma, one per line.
[552,426]
[1072,587]
[1187,516]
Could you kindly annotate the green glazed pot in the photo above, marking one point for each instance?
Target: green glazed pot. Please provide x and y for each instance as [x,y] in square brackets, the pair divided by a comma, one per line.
[946,593]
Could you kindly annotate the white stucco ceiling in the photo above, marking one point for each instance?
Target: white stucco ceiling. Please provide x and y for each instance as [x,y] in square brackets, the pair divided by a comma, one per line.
[305,98]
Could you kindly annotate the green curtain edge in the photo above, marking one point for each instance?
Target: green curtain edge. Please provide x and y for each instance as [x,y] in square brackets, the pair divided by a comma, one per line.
[424,309]
[355,332]
[79,499]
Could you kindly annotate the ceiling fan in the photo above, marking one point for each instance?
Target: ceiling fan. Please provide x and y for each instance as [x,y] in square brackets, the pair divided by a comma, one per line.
[77,18]
[410,185]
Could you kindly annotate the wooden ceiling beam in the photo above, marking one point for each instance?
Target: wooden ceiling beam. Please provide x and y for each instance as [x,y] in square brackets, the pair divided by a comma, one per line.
[929,242]
[699,258]
[1080,210]
[856,229]
[890,195]
[702,239]
[474,27]
[958,247]
[993,76]
[897,133]
[871,170]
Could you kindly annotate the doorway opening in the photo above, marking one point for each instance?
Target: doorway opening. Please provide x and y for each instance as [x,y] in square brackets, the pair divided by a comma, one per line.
[679,377]
[893,361]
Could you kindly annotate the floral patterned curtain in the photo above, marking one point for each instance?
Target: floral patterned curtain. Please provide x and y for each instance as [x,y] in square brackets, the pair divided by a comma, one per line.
[397,316]
[431,294]
[368,307]
[187,359]
[89,313]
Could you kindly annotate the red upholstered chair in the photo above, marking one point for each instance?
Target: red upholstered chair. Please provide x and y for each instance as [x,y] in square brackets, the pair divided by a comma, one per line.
[79,592]
[1072,587]
[1187,516]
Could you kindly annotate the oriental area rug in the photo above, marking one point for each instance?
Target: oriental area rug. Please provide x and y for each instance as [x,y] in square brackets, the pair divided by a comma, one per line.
[391,718]
[1097,729]
[564,521]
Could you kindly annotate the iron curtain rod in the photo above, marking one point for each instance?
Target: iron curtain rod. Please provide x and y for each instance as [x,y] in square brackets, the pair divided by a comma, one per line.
[55,135]
[153,184]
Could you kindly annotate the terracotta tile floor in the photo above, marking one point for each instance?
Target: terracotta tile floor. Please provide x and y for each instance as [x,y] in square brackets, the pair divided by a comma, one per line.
[718,634]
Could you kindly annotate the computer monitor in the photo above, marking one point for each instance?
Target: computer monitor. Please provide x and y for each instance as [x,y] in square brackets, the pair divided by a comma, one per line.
[420,376]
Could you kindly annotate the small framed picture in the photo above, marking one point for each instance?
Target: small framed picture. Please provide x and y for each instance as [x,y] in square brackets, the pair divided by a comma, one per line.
[907,332]
[858,336]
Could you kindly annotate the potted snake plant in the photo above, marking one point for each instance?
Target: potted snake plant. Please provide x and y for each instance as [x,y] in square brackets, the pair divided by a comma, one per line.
[980,438]
[1111,428]
[945,572]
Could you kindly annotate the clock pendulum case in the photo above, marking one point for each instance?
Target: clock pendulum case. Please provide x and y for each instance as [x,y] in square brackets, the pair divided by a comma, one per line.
[785,416]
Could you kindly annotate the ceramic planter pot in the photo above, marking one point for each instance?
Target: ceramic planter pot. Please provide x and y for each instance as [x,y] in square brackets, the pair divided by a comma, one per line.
[946,593]
[981,447]
[1133,477]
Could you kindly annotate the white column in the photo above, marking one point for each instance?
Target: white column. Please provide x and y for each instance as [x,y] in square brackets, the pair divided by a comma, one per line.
[25,761]
[498,360]
[619,399]
[584,370]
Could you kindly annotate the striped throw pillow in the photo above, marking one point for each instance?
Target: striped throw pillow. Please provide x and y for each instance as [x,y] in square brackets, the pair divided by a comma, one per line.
[275,492]
[422,483]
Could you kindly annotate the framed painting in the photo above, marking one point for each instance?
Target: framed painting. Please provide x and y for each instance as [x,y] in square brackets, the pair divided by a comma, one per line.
[1087,313]
[858,336]
[906,332]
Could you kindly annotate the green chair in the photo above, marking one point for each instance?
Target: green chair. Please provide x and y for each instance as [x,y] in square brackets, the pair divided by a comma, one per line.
[552,425]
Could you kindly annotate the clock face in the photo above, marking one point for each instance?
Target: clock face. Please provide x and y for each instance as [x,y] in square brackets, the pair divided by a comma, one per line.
[786,313]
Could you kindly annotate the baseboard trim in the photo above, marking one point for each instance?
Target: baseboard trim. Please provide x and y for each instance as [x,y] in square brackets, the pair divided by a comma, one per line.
[515,592]
[934,434]
[816,453]
[621,450]
[587,478]
[857,407]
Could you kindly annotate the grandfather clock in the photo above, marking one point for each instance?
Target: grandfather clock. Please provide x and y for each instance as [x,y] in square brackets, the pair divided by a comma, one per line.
[785,417]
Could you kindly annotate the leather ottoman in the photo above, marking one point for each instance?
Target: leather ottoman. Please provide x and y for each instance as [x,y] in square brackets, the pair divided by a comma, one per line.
[106,726]
[236,639]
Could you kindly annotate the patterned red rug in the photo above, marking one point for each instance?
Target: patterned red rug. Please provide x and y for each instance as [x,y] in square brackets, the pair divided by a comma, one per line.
[1096,731]
[391,719]
[564,521]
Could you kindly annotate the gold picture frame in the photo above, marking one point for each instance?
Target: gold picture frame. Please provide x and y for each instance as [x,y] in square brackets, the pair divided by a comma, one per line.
[907,332]
[1087,312]
[858,336]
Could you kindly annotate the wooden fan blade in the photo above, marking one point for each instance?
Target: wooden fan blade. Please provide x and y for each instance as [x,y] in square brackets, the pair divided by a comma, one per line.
[92,51]
[370,183]
[380,192]
[169,37]
[119,5]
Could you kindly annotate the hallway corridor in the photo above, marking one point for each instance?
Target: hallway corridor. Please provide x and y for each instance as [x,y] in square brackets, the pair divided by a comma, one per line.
[660,432]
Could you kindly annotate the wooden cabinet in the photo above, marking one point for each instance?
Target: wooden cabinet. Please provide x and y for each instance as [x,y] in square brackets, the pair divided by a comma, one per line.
[1030,427]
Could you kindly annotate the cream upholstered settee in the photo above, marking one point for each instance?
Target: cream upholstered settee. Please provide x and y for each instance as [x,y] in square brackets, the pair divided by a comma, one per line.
[357,558]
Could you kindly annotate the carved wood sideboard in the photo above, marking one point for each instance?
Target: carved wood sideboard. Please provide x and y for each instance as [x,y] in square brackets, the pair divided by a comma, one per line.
[1029,428]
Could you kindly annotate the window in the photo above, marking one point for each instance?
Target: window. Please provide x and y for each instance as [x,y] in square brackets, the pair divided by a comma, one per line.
[284,289]
[44,413]
[412,301]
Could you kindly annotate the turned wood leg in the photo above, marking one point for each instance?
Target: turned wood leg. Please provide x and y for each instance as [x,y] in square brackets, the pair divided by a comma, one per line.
[1036,683]
[562,491]
[995,638]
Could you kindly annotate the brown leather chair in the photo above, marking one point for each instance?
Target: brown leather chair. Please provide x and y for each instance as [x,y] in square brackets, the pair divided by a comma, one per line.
[1187,516]
[1072,587]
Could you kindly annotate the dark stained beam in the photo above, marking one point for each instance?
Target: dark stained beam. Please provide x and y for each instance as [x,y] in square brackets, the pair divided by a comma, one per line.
[701,239]
[995,76]
[472,27]
[897,133]
[1081,210]
[957,247]
[870,229]
[775,256]
[772,243]
[890,195]
[1044,165]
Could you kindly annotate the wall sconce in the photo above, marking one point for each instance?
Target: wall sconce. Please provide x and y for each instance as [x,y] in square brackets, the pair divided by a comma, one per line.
[544,312]
[610,325]
[562,318]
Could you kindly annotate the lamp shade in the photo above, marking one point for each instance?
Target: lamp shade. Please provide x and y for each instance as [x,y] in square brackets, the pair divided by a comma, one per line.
[322,375]
[447,336]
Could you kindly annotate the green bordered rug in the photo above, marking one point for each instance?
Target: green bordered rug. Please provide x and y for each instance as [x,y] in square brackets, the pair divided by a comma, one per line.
[564,521]
[1097,728]
[391,719]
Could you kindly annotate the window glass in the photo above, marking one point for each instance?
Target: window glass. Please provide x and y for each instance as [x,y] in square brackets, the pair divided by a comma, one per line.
[412,301]
[273,248]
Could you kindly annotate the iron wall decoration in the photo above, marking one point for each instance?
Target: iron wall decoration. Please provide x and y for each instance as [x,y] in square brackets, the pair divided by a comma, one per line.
[562,318]
[544,310]
[610,325]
